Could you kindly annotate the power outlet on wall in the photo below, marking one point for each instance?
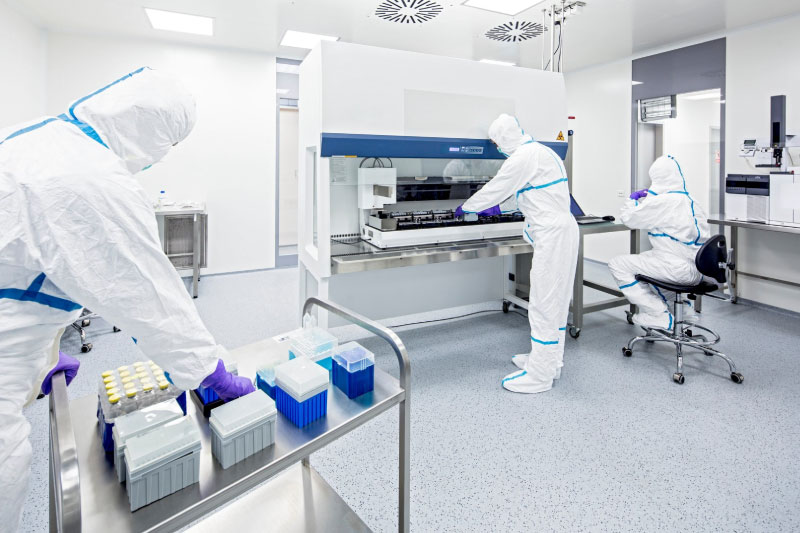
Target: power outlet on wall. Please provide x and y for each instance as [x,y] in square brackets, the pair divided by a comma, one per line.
[620,194]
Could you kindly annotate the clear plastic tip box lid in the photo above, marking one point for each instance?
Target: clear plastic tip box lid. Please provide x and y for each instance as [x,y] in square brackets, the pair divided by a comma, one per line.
[353,357]
[301,378]
[162,445]
[313,342]
[242,414]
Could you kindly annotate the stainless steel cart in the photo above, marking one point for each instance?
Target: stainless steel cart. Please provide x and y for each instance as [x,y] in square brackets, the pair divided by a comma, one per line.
[86,496]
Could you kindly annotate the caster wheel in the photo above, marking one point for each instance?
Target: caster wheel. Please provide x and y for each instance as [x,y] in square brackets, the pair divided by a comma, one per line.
[574,332]
[86,347]
[737,377]
[116,329]
[629,317]
[506,306]
[688,333]
[86,323]
[678,378]
[627,352]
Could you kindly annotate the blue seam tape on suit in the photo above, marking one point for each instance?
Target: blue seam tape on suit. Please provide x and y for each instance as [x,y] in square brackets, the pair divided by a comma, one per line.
[534,187]
[524,373]
[98,91]
[546,343]
[629,285]
[32,294]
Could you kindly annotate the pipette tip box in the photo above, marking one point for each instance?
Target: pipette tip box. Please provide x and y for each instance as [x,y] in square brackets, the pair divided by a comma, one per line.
[266,382]
[161,462]
[209,399]
[242,427]
[139,423]
[353,369]
[315,343]
[301,390]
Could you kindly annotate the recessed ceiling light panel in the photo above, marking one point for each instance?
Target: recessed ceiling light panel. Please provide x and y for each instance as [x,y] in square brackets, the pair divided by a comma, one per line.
[301,39]
[515,31]
[408,11]
[180,22]
[506,7]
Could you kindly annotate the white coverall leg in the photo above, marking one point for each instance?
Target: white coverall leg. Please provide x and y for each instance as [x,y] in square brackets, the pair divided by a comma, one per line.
[78,230]
[677,227]
[536,177]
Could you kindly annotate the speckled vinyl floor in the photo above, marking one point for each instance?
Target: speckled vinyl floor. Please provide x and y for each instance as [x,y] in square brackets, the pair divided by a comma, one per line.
[615,446]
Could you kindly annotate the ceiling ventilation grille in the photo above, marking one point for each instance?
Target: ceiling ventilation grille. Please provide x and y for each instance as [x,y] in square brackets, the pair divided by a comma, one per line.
[408,11]
[515,31]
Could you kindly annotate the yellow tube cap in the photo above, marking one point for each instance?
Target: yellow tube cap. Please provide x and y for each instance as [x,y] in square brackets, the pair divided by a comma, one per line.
[130,393]
[114,398]
[112,392]
[107,373]
[123,368]
[128,386]
[163,385]
[110,385]
[147,387]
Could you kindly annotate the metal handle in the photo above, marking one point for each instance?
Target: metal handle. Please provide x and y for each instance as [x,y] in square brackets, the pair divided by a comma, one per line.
[404,524]
[65,490]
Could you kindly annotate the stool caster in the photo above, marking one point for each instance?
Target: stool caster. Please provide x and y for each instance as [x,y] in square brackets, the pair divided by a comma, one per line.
[736,377]
[116,329]
[87,347]
[629,317]
[85,323]
[506,306]
[678,378]
[627,352]
[574,332]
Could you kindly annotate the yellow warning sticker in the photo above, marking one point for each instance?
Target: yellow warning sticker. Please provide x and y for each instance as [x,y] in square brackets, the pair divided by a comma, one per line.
[560,136]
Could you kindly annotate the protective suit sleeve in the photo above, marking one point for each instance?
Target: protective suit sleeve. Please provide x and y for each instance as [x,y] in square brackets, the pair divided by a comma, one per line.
[97,240]
[512,176]
[646,213]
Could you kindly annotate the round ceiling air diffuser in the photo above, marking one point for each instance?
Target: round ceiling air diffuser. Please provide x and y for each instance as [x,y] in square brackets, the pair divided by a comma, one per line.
[408,11]
[515,31]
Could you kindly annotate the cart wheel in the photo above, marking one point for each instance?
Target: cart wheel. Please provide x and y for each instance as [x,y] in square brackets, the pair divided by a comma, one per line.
[627,352]
[506,306]
[688,333]
[737,377]
[678,378]
[116,329]
[574,332]
[86,347]
[86,323]
[629,317]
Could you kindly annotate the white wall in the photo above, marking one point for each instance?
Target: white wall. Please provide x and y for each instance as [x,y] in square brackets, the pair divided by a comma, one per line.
[754,73]
[22,59]
[229,159]
[600,100]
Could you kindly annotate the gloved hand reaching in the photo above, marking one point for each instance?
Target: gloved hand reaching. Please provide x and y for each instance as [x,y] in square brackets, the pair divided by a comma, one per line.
[494,211]
[636,195]
[459,212]
[67,364]
[227,386]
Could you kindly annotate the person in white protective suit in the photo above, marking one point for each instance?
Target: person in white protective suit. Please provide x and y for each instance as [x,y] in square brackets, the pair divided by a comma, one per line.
[677,227]
[535,176]
[78,230]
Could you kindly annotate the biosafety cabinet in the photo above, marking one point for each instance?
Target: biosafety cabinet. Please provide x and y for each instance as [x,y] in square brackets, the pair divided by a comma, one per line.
[391,143]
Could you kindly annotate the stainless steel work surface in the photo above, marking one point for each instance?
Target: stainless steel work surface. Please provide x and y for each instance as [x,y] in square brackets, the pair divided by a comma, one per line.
[355,255]
[104,502]
[297,500]
[782,227]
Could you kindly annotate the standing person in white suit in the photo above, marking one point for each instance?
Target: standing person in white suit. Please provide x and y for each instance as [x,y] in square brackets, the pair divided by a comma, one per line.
[535,176]
[677,228]
[78,230]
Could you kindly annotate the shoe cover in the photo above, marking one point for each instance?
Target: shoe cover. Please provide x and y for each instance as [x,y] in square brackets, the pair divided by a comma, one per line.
[659,321]
[520,381]
[521,359]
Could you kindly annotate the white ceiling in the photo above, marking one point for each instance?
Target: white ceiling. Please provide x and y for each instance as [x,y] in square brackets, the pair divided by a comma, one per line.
[605,31]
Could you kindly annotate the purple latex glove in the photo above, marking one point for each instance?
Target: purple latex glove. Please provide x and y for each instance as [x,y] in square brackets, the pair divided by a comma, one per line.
[491,212]
[459,212]
[636,195]
[67,364]
[226,385]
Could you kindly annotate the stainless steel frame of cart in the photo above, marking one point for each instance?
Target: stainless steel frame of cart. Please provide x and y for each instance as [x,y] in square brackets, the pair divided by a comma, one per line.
[86,496]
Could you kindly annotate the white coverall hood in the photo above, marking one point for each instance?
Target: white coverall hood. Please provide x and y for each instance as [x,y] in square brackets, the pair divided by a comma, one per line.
[140,117]
[507,133]
[665,175]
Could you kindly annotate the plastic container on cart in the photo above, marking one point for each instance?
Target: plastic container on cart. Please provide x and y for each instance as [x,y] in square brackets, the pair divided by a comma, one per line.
[353,369]
[162,461]
[301,390]
[139,423]
[313,342]
[265,381]
[242,427]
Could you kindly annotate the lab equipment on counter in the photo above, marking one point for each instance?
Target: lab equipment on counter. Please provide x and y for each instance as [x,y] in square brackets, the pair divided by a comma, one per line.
[242,427]
[130,388]
[139,423]
[301,390]
[161,462]
[313,342]
[354,369]
[771,197]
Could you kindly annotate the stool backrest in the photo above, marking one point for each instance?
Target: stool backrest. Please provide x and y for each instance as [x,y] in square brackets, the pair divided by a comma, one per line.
[712,258]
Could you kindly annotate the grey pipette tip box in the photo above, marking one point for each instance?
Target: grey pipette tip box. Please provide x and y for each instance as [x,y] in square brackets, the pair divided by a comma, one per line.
[161,462]
[138,423]
[242,427]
